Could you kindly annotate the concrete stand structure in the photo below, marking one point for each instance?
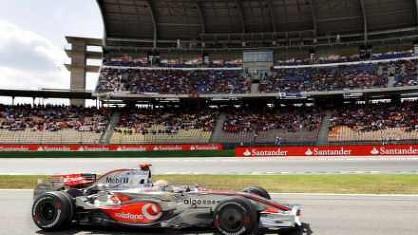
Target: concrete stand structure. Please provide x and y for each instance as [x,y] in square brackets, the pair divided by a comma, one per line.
[79,67]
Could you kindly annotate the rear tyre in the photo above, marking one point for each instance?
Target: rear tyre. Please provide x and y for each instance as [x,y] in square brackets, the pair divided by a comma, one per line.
[236,216]
[259,191]
[53,211]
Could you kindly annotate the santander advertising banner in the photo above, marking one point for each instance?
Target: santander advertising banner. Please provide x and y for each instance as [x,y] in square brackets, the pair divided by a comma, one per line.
[324,151]
[111,147]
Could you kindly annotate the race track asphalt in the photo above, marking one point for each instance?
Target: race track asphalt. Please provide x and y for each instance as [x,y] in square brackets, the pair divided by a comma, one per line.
[324,214]
[388,165]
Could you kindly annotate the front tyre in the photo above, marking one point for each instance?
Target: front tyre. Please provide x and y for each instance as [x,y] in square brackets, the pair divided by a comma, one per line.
[236,216]
[259,191]
[53,211]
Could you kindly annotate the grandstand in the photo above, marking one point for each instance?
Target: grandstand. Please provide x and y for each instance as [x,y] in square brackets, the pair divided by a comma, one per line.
[237,73]
[351,123]
[51,124]
[164,126]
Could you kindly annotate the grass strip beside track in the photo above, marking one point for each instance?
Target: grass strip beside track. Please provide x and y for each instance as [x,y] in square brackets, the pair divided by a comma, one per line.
[356,184]
[127,154]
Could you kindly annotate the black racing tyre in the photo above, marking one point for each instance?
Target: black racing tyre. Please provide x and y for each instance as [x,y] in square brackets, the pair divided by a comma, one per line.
[236,216]
[259,191]
[53,211]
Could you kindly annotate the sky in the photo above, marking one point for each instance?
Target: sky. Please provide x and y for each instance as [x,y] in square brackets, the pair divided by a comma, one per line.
[32,40]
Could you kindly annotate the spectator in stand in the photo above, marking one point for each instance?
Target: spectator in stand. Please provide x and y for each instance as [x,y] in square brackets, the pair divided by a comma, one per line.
[279,141]
[405,73]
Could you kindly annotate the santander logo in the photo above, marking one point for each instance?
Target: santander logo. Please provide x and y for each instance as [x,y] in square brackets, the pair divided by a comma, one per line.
[247,153]
[265,152]
[374,151]
[309,152]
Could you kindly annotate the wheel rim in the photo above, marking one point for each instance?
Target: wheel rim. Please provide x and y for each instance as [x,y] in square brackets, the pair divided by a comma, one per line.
[231,219]
[46,211]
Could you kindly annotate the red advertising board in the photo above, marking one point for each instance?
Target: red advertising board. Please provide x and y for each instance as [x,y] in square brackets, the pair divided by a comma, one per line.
[323,151]
[111,147]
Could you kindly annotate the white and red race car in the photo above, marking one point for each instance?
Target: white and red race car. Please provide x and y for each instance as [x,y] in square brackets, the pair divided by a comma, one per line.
[129,198]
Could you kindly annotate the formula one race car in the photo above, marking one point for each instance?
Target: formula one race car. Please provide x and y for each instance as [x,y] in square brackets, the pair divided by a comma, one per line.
[129,198]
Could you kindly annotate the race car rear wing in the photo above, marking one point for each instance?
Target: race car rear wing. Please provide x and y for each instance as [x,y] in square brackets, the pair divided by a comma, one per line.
[62,182]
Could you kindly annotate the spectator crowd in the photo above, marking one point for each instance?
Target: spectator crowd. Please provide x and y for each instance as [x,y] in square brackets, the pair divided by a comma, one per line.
[397,73]
[342,77]
[342,59]
[374,117]
[127,61]
[53,118]
[401,118]
[290,119]
[405,72]
[165,121]
[139,81]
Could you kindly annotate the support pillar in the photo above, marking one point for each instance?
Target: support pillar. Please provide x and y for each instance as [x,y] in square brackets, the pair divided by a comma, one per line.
[78,70]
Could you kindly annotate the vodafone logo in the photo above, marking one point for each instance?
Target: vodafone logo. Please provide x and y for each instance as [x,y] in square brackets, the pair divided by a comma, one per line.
[129,216]
[141,213]
[151,211]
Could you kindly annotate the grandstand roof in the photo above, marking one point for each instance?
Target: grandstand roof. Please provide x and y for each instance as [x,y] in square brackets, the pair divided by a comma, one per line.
[227,23]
